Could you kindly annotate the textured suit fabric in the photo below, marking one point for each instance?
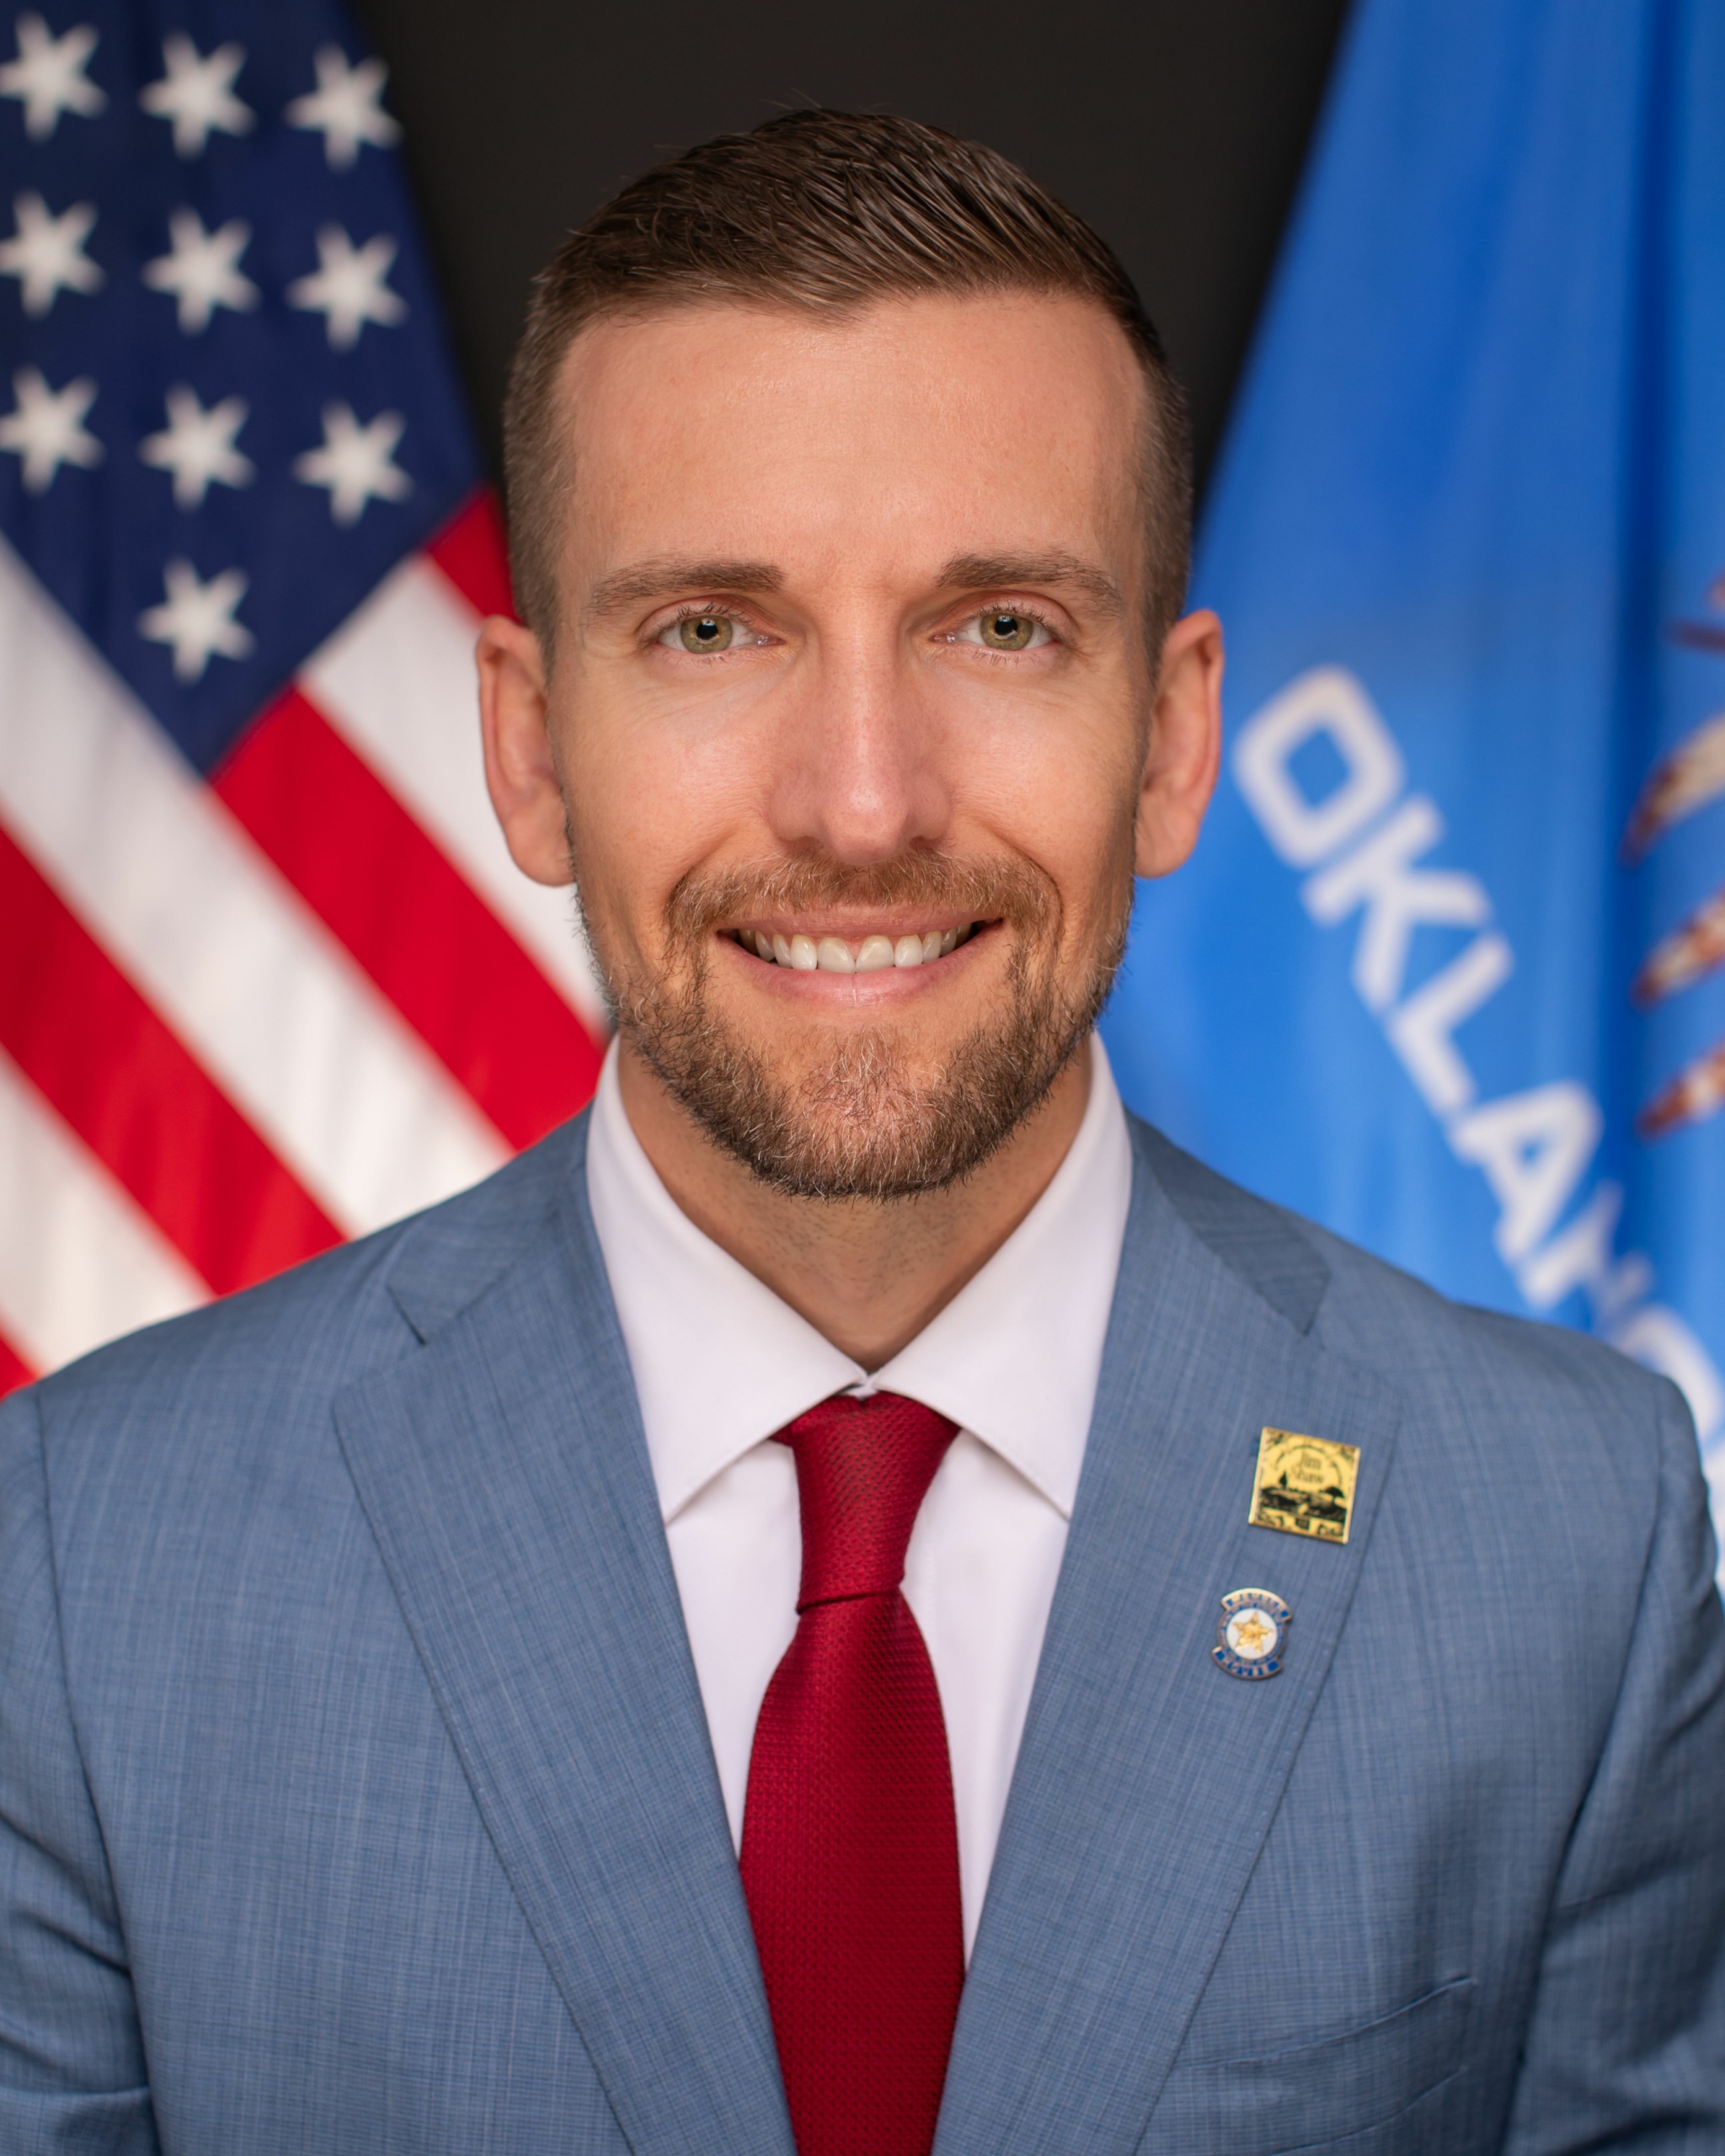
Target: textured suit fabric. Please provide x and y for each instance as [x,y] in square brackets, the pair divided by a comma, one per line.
[355,1793]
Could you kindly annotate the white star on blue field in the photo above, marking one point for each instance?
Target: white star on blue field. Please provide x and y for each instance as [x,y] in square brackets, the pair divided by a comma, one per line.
[215,433]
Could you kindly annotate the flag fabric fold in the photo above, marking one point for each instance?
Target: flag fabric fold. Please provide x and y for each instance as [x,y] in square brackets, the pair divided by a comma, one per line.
[1448,971]
[267,977]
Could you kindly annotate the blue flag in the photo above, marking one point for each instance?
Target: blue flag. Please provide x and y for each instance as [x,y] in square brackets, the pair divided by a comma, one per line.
[1448,971]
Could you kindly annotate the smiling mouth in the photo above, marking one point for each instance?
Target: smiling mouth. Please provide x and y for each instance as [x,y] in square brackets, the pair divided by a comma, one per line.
[866,954]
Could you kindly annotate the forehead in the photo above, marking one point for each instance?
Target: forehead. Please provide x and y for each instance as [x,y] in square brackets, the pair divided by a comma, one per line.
[935,425]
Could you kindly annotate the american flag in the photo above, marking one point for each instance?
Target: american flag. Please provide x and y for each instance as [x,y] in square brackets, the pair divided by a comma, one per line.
[268,978]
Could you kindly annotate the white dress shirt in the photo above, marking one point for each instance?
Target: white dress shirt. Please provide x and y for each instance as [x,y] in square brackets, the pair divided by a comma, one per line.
[720,1364]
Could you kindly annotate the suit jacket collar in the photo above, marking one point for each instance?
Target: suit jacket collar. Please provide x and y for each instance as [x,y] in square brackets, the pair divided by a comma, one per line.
[505,1475]
[1147,1778]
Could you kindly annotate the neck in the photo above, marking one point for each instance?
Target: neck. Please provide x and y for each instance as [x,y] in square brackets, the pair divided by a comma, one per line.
[868,1275]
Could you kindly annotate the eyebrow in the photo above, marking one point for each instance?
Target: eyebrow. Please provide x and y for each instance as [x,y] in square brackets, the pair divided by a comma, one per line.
[975,571]
[643,582]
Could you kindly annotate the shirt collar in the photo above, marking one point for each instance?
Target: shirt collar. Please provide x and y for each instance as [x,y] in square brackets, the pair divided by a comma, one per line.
[720,1362]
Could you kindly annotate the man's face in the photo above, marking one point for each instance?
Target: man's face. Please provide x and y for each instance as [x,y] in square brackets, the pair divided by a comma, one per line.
[849,715]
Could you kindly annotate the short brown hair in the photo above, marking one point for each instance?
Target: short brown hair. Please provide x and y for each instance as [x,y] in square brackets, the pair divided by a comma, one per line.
[824,211]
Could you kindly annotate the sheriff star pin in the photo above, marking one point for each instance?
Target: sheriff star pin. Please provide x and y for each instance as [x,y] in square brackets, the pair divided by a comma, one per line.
[1251,1640]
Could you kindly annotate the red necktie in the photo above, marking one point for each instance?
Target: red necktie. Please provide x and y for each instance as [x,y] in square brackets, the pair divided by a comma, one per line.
[850,1841]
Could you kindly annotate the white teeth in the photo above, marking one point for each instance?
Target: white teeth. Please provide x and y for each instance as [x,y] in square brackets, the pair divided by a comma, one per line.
[831,954]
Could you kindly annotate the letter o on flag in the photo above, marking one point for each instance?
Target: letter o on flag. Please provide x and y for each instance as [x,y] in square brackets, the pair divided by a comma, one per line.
[1325,700]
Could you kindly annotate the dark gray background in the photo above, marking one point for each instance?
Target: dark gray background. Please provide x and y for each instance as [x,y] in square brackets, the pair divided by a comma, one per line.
[1176,126]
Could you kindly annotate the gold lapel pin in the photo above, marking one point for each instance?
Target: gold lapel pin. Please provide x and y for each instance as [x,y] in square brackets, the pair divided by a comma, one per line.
[1304,1485]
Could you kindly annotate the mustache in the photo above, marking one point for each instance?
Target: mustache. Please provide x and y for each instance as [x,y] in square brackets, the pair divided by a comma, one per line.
[1012,891]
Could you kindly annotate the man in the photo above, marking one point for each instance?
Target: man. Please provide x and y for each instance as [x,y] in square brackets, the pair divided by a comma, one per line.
[461,1696]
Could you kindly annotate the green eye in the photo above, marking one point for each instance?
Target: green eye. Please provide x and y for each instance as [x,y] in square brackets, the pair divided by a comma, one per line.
[706,632]
[1008,632]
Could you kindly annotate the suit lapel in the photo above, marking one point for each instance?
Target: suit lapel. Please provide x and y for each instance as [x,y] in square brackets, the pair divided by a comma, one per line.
[505,1477]
[1147,1778]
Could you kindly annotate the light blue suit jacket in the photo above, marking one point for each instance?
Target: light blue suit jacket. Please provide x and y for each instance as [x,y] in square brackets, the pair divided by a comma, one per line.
[355,1793]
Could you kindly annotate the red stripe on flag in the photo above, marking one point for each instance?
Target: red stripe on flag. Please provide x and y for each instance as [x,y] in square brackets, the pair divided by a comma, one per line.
[473,553]
[140,1100]
[14,1372]
[429,942]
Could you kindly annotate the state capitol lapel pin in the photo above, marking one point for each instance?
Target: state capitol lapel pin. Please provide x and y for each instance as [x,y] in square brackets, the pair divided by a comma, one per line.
[1304,1485]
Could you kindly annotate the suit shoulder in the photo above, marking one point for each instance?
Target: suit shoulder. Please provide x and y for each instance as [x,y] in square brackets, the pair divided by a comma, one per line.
[1421,1340]
[323,1321]
[1543,1397]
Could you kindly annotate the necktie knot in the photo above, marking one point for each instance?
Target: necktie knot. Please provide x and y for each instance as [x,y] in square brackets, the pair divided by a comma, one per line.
[863,1467]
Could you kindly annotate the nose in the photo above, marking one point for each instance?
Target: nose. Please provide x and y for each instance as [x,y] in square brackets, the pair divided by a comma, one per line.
[857,771]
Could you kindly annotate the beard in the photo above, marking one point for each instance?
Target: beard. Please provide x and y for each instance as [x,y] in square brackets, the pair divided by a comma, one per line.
[871,1118]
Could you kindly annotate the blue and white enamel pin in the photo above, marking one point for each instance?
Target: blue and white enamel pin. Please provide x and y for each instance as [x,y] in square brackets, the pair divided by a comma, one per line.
[1251,1640]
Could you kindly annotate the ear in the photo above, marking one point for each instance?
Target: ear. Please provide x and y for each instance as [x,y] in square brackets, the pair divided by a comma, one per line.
[521,773]
[1185,747]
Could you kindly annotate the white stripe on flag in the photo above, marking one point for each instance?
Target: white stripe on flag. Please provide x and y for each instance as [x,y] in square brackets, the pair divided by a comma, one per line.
[396,680]
[161,875]
[79,1261]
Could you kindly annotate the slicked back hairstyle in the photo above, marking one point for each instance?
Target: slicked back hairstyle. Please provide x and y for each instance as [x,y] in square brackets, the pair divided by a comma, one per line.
[824,212]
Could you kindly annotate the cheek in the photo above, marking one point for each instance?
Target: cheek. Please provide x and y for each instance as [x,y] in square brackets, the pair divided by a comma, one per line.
[1064,798]
[645,808]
